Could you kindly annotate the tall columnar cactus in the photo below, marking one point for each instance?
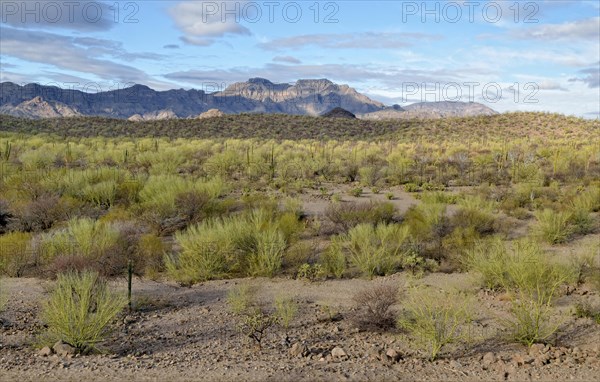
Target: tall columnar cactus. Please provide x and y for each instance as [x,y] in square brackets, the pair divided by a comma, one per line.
[7,151]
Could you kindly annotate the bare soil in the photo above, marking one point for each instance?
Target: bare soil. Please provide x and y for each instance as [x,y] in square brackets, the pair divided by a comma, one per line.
[188,334]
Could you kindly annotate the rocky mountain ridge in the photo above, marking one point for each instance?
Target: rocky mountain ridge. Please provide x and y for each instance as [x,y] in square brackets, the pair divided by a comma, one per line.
[311,97]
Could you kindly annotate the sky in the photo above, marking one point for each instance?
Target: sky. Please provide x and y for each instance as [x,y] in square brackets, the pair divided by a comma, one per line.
[508,55]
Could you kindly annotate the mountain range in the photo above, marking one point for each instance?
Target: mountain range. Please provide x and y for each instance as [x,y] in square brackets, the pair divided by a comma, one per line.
[257,95]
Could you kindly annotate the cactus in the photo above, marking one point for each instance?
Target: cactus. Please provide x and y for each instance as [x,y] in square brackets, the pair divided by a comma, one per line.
[68,154]
[7,151]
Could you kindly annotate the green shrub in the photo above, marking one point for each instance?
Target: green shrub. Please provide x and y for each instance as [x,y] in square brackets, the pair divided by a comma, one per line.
[253,320]
[205,249]
[290,226]
[458,245]
[250,244]
[533,281]
[588,200]
[356,192]
[477,213]
[411,187]
[554,227]
[82,236]
[428,225]
[298,253]
[368,176]
[582,221]
[310,272]
[489,259]
[435,319]
[254,324]
[150,253]
[15,253]
[267,257]
[349,214]
[586,310]
[417,265]
[333,259]
[169,203]
[376,250]
[101,194]
[240,298]
[80,310]
[286,310]
[426,220]
[438,197]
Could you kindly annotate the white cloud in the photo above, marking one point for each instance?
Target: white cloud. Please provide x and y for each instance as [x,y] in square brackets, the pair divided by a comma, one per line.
[287,59]
[84,15]
[589,76]
[585,29]
[204,21]
[83,55]
[365,40]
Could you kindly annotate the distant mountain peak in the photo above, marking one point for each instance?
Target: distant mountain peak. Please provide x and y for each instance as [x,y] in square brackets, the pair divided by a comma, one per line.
[259,80]
[339,112]
[322,82]
[432,110]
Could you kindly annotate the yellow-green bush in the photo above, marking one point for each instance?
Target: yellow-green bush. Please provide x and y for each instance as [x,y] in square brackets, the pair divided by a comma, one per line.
[435,319]
[554,226]
[15,253]
[80,311]
[375,250]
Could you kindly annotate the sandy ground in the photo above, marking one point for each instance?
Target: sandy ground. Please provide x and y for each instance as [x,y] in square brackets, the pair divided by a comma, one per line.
[188,334]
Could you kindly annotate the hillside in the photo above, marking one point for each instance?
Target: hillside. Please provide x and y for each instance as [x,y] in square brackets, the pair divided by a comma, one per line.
[431,110]
[278,126]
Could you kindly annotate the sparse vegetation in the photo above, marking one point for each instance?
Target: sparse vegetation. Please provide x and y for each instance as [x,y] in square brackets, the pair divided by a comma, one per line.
[199,200]
[375,250]
[253,319]
[435,319]
[554,227]
[373,307]
[286,310]
[80,311]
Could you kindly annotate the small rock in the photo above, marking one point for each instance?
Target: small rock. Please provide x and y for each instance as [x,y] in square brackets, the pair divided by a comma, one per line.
[488,359]
[62,349]
[536,349]
[45,351]
[517,359]
[522,359]
[455,364]
[393,355]
[298,350]
[374,353]
[338,352]
[541,360]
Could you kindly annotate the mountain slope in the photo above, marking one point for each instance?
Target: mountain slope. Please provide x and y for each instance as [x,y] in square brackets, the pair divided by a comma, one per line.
[305,97]
[431,110]
[37,108]
[257,95]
